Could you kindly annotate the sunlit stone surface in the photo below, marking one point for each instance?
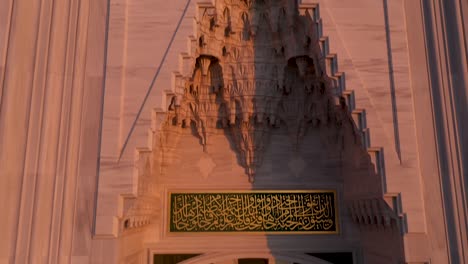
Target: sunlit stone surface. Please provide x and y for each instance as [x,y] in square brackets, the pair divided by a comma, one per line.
[108,106]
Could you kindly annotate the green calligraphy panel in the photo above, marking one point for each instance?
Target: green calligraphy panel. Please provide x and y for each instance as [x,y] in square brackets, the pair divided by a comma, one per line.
[254,211]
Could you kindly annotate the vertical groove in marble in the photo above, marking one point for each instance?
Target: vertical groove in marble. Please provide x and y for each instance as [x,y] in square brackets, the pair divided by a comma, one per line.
[65,158]
[421,78]
[460,107]
[46,69]
[448,128]
[35,123]
[123,75]
[454,115]
[463,5]
[436,67]
[70,196]
[14,117]
[95,76]
[396,131]
[6,11]
[52,137]
[70,199]
[444,185]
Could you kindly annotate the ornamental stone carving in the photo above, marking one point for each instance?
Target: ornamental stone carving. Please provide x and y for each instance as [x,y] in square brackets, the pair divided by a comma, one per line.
[253,67]
[257,65]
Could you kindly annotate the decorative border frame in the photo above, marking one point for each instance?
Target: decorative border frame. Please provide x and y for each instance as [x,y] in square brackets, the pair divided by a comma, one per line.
[168,220]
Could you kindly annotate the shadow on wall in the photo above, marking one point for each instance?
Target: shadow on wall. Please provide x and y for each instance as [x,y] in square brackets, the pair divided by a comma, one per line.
[263,79]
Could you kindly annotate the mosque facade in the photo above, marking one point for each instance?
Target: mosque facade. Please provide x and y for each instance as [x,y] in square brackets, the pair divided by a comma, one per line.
[234,131]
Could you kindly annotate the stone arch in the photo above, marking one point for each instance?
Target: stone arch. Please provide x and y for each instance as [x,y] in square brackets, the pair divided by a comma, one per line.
[283,257]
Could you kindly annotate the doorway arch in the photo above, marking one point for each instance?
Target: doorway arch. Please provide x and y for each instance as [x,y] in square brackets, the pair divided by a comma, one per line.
[274,258]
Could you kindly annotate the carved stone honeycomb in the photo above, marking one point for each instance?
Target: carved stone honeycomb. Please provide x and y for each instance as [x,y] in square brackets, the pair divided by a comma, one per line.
[257,65]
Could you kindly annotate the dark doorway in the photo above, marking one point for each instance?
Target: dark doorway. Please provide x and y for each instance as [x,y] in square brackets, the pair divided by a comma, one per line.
[335,257]
[252,261]
[172,258]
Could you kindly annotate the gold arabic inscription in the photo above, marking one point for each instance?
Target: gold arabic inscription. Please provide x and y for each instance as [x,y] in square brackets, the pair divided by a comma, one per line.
[285,211]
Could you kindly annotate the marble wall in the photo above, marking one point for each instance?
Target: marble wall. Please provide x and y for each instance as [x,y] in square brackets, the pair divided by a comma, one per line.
[79,80]
[52,73]
[377,47]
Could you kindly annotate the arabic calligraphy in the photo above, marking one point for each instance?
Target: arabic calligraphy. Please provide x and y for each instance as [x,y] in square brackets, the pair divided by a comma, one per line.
[306,211]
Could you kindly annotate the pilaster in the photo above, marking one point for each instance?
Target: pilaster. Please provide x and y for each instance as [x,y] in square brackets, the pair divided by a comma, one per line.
[438,65]
[52,86]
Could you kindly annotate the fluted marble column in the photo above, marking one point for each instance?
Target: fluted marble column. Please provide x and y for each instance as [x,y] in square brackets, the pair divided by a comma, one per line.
[52,72]
[438,62]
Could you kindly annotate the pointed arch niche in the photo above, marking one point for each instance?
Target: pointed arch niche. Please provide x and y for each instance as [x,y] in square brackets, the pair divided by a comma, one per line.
[259,103]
